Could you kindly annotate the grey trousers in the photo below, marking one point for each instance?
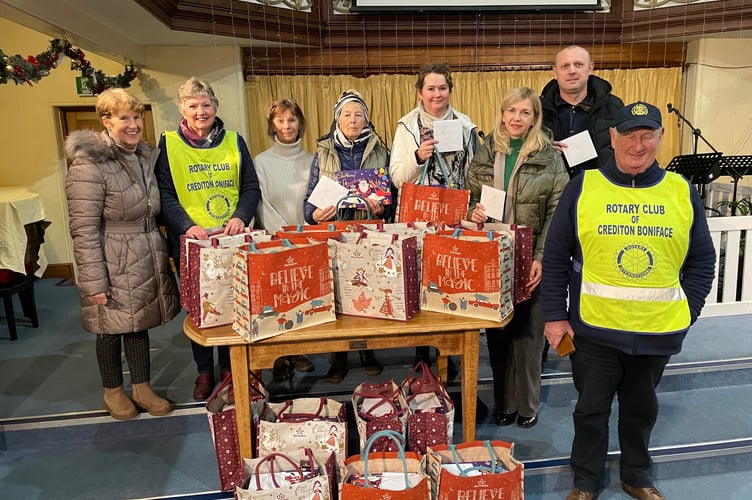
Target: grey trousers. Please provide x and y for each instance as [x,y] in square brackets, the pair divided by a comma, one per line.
[515,353]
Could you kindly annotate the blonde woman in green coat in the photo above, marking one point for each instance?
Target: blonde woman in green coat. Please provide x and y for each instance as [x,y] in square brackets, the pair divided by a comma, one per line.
[518,157]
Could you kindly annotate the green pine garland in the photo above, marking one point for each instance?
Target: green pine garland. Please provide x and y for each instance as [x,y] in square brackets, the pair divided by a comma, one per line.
[31,69]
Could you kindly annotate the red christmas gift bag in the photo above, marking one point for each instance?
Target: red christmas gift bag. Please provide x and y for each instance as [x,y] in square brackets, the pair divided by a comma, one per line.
[206,277]
[479,469]
[467,274]
[522,237]
[419,202]
[376,276]
[279,286]
[223,426]
[431,418]
[399,475]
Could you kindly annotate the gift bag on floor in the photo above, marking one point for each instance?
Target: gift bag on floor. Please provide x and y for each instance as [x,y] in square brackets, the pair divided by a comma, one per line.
[316,423]
[431,418]
[478,469]
[396,475]
[438,204]
[467,274]
[223,426]
[379,407]
[376,276]
[296,475]
[522,250]
[279,286]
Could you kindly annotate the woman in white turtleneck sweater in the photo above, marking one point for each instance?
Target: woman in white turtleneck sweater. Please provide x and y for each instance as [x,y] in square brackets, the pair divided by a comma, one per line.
[283,172]
[283,169]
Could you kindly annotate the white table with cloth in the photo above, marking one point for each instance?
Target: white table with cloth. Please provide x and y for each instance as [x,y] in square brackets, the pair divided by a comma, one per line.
[21,215]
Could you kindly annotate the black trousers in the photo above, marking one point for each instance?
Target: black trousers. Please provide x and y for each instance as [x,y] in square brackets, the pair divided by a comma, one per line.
[599,373]
[204,358]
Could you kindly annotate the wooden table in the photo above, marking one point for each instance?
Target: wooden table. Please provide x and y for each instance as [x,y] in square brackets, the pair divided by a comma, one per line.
[451,335]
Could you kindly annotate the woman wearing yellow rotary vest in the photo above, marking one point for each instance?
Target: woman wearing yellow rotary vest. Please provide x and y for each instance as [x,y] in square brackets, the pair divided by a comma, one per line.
[206,180]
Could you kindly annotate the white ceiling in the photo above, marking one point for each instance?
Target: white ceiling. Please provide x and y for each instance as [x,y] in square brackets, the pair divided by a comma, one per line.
[120,28]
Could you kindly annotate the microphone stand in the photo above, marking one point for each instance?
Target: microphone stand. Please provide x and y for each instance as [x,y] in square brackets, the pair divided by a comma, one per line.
[697,134]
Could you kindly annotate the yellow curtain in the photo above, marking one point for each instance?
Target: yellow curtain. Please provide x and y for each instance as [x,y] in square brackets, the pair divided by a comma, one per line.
[476,94]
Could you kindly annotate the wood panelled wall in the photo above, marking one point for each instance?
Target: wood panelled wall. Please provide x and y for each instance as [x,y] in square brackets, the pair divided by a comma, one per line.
[286,42]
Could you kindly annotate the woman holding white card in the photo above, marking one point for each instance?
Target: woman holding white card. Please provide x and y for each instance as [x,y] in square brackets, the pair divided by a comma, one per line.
[414,143]
[519,159]
[414,140]
[351,144]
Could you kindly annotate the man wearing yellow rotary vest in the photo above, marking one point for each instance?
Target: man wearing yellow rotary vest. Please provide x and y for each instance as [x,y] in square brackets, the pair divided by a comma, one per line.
[630,247]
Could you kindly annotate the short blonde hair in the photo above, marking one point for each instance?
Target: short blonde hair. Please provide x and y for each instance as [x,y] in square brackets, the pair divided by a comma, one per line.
[115,99]
[194,87]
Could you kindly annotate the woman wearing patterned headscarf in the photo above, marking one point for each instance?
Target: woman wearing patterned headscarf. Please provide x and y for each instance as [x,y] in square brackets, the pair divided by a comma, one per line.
[351,144]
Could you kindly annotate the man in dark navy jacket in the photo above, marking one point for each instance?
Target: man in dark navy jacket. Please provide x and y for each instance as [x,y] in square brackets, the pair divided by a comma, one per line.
[629,247]
[576,100]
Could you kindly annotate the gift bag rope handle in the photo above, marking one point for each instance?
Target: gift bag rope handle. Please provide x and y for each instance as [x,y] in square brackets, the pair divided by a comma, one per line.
[271,458]
[440,162]
[301,417]
[479,468]
[257,385]
[490,234]
[399,440]
[426,375]
[283,243]
[350,197]
[385,398]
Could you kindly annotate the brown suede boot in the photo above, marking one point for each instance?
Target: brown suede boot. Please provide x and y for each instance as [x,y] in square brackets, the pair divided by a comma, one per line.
[144,396]
[119,404]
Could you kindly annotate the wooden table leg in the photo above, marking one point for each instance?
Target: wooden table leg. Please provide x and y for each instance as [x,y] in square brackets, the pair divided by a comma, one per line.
[471,340]
[441,368]
[241,388]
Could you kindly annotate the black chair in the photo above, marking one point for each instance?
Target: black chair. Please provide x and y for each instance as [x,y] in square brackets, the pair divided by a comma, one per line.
[24,287]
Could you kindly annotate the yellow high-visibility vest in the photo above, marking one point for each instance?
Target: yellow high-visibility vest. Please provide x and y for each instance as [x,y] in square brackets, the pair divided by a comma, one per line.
[634,241]
[207,180]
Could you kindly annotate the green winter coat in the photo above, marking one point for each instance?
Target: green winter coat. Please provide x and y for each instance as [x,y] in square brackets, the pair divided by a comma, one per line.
[534,189]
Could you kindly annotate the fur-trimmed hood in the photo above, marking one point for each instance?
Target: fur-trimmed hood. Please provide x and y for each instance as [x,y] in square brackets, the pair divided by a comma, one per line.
[96,147]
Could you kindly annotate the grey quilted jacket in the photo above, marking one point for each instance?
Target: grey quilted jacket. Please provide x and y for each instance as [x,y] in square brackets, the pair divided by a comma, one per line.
[118,247]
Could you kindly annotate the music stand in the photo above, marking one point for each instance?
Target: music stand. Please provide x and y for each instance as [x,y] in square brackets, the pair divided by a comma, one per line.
[698,169]
[736,167]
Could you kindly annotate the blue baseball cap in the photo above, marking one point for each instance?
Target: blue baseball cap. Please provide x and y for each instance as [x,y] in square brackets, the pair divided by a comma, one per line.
[637,114]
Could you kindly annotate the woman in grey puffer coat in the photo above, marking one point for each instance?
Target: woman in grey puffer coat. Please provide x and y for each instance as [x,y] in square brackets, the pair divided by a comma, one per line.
[124,276]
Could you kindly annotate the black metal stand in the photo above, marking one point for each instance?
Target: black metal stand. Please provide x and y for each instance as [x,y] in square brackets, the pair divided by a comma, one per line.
[736,167]
[711,172]
[699,169]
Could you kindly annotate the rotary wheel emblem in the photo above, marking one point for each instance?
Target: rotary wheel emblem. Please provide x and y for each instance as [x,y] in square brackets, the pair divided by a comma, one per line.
[635,261]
